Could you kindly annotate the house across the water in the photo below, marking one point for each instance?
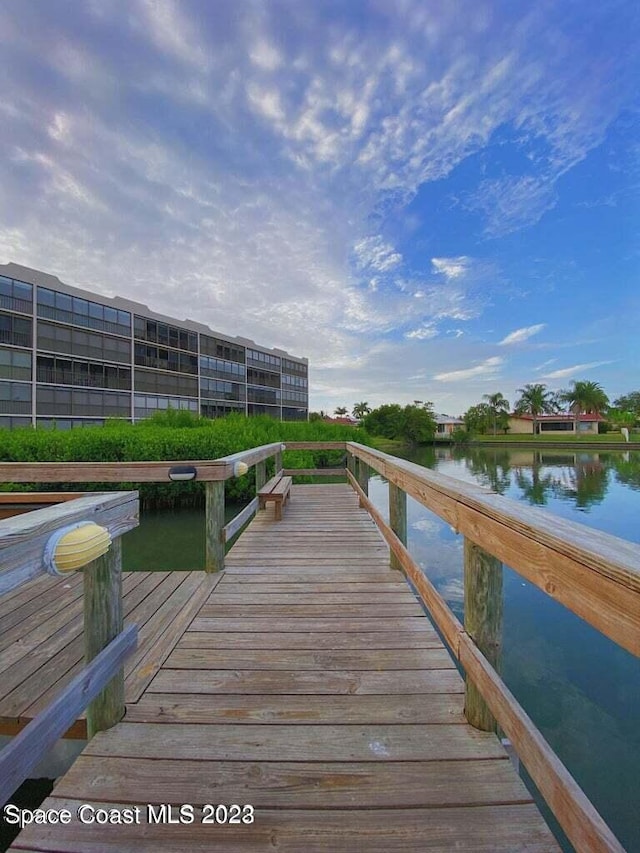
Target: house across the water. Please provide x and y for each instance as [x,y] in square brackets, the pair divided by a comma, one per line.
[554,424]
[445,424]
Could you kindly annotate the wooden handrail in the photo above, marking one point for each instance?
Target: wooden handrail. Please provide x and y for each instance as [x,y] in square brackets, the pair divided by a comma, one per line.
[207,470]
[579,819]
[595,575]
[23,537]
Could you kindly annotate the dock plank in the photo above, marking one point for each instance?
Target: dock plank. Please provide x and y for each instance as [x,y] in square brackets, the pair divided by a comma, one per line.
[401,682]
[297,659]
[286,784]
[427,639]
[515,828]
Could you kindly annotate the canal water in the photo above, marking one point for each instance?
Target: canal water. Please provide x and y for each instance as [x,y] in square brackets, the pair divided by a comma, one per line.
[581,690]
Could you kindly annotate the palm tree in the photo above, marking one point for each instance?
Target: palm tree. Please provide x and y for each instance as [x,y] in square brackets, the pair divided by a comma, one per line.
[360,410]
[498,404]
[535,400]
[585,397]
[340,411]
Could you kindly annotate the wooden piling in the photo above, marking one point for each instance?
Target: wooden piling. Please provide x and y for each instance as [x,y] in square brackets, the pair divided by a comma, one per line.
[214,540]
[482,622]
[397,519]
[102,623]
[363,476]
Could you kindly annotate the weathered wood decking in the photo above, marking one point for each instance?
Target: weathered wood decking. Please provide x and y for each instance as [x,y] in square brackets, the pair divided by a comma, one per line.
[311,685]
[41,642]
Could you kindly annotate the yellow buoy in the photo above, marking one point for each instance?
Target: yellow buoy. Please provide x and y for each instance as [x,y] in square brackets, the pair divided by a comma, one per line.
[72,547]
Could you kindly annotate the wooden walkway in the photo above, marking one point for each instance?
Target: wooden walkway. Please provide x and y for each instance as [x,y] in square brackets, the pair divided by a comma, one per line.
[311,685]
[42,647]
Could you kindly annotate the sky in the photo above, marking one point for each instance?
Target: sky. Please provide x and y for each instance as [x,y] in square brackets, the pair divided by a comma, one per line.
[429,200]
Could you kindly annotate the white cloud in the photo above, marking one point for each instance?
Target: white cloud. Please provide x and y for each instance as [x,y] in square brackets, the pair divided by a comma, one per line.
[451,268]
[487,369]
[564,372]
[266,56]
[376,254]
[422,333]
[511,203]
[520,335]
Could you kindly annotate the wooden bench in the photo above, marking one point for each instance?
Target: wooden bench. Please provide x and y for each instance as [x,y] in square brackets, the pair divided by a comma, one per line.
[278,490]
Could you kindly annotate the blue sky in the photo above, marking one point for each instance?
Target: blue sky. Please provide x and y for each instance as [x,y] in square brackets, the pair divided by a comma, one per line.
[429,200]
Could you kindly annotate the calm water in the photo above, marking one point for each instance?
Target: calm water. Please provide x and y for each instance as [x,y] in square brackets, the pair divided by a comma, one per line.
[581,690]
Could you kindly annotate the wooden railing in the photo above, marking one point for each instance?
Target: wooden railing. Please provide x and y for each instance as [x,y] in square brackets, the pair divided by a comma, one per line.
[594,575]
[212,472]
[99,687]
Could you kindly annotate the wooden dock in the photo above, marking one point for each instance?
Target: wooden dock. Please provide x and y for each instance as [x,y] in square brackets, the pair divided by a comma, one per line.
[309,683]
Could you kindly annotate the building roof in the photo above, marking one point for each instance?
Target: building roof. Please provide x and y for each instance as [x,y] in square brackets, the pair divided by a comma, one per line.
[447,419]
[346,421]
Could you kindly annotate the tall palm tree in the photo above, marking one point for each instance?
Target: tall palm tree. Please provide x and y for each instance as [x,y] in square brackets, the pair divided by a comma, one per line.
[360,410]
[497,403]
[535,400]
[340,411]
[585,398]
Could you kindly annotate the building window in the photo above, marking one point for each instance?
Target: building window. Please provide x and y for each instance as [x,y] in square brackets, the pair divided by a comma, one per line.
[263,359]
[556,426]
[54,401]
[295,367]
[15,398]
[263,377]
[15,364]
[294,381]
[219,348]
[157,332]
[146,405]
[63,371]
[15,330]
[68,423]
[165,359]
[81,312]
[293,414]
[16,295]
[270,396]
[77,342]
[219,389]
[294,397]
[14,423]
[210,409]
[222,369]
[165,383]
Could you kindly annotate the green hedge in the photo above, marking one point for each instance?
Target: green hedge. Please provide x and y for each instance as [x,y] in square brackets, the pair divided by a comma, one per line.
[175,435]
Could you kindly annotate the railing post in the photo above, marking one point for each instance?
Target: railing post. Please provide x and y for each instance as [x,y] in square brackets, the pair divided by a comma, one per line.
[261,474]
[102,623]
[482,622]
[214,524]
[277,462]
[363,476]
[397,518]
[351,463]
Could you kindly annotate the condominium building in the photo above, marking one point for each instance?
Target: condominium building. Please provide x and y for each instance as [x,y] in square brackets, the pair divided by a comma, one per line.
[69,357]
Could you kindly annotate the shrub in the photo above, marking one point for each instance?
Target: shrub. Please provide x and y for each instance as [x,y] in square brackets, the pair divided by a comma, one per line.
[171,436]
